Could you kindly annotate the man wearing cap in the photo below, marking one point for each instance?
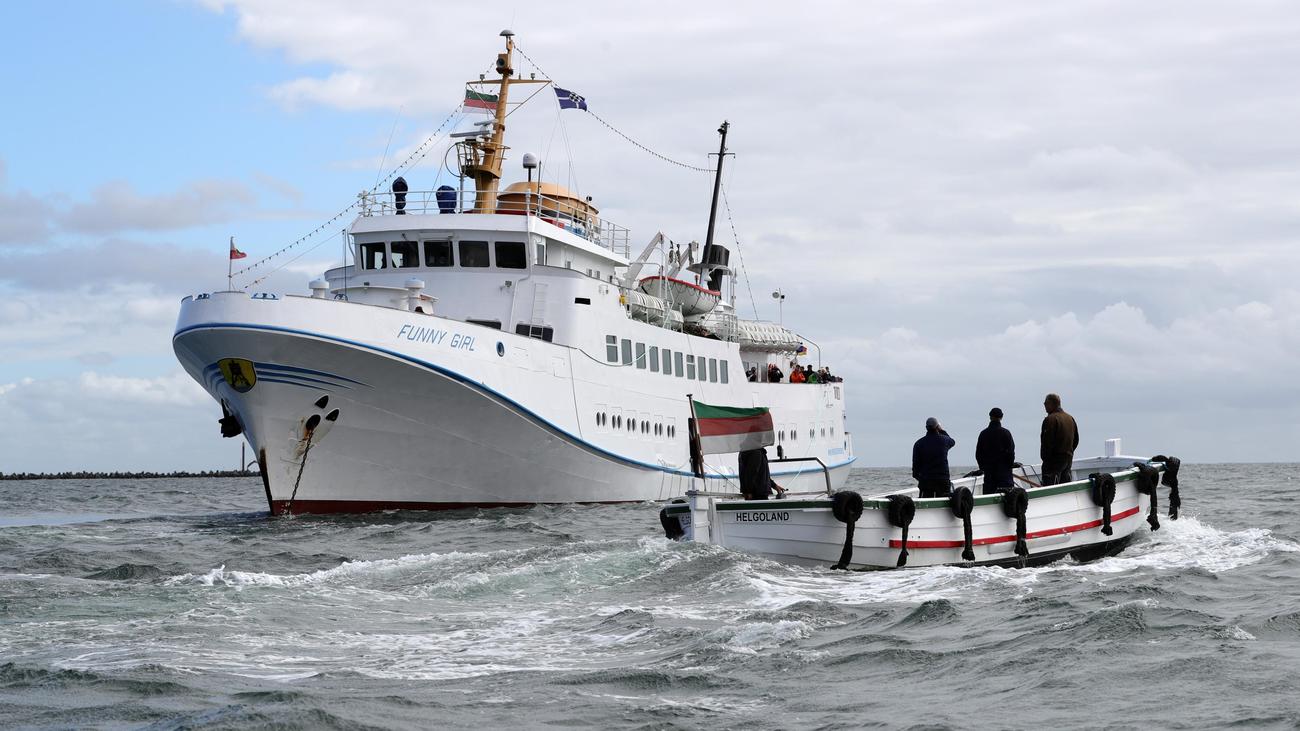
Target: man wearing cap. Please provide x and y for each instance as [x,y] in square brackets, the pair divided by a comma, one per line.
[1059,440]
[930,460]
[995,453]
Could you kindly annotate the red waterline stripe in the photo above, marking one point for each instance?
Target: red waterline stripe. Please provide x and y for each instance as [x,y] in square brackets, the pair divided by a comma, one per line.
[322,507]
[894,543]
[718,427]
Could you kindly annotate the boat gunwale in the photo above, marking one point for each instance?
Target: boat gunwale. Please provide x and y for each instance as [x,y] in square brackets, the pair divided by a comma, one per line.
[921,503]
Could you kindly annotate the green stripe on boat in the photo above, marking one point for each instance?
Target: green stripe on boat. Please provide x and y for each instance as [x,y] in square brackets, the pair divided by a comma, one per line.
[931,503]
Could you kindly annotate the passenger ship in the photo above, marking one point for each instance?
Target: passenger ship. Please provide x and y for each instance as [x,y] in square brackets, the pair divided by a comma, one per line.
[498,347]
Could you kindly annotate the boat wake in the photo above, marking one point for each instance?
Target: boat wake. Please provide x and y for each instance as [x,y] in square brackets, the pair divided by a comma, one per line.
[1186,544]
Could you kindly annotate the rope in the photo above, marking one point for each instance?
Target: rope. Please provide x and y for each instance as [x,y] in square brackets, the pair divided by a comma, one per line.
[663,157]
[615,130]
[736,237]
[416,155]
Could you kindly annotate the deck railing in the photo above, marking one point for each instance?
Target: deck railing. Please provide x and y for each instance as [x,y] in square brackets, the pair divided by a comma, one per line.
[562,212]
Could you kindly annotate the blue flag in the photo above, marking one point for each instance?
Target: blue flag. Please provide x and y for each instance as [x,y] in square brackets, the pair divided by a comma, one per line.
[569,100]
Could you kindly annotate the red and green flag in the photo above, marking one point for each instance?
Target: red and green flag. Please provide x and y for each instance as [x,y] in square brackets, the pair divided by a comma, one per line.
[725,429]
[483,103]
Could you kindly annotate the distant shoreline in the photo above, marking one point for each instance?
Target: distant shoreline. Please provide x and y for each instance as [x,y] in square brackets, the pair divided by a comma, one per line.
[123,475]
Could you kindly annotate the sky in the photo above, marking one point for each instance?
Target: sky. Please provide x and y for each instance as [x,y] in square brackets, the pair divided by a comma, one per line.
[967,205]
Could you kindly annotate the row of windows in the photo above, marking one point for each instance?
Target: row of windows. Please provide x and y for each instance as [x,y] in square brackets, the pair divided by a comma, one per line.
[631,424]
[792,434]
[471,254]
[668,362]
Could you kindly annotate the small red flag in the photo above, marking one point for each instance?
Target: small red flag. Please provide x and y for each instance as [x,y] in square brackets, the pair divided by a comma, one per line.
[236,253]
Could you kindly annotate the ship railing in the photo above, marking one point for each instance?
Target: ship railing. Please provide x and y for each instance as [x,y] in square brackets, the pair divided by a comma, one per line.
[562,212]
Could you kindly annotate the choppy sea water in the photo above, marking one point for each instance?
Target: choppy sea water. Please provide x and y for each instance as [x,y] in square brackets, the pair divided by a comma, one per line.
[180,604]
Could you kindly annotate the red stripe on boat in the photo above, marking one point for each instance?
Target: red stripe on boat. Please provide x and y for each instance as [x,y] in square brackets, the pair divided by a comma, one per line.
[713,292]
[895,543]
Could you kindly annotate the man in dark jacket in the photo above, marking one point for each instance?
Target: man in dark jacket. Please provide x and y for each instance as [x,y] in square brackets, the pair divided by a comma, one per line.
[930,460]
[756,481]
[995,453]
[1060,439]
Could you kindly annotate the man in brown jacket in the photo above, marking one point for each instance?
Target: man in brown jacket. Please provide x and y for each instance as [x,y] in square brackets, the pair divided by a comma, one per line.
[1060,439]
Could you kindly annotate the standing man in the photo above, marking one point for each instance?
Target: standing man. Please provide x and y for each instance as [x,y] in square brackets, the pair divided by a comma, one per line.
[995,453]
[1060,439]
[930,460]
[756,481]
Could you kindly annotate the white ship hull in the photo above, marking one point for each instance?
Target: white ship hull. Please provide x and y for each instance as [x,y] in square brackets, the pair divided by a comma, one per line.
[435,413]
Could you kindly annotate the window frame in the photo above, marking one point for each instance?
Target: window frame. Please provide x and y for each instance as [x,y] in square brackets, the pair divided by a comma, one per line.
[451,253]
[409,245]
[460,253]
[522,253]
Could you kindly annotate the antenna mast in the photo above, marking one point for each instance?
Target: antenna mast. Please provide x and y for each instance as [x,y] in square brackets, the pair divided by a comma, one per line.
[717,183]
[483,158]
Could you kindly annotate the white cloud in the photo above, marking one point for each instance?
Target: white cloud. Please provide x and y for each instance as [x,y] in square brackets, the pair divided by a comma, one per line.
[117,206]
[99,421]
[24,218]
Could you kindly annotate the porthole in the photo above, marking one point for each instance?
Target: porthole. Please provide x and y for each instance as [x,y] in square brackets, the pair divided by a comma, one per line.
[501,349]
[631,424]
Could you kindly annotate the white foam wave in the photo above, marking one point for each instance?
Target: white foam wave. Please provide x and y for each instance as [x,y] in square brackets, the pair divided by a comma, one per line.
[349,570]
[751,637]
[1179,545]
[1188,543]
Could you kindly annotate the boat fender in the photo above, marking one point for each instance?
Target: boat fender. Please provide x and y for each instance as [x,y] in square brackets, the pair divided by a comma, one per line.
[1170,480]
[901,512]
[1103,494]
[1147,479]
[1015,503]
[846,506]
[672,525]
[962,503]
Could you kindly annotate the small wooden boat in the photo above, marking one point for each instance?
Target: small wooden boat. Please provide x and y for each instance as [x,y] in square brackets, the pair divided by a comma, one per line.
[1097,514]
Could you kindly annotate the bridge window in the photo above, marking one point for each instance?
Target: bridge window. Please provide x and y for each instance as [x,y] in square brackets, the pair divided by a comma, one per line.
[723,371]
[627,351]
[640,356]
[372,256]
[437,254]
[668,362]
[690,367]
[654,359]
[704,371]
[611,348]
[474,254]
[677,361]
[406,254]
[511,255]
[713,370]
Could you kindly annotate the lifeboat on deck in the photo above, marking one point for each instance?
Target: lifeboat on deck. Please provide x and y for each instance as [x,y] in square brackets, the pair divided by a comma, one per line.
[692,298]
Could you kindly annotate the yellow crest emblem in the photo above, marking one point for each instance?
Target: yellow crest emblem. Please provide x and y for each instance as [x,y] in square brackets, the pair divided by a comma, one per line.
[239,373]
